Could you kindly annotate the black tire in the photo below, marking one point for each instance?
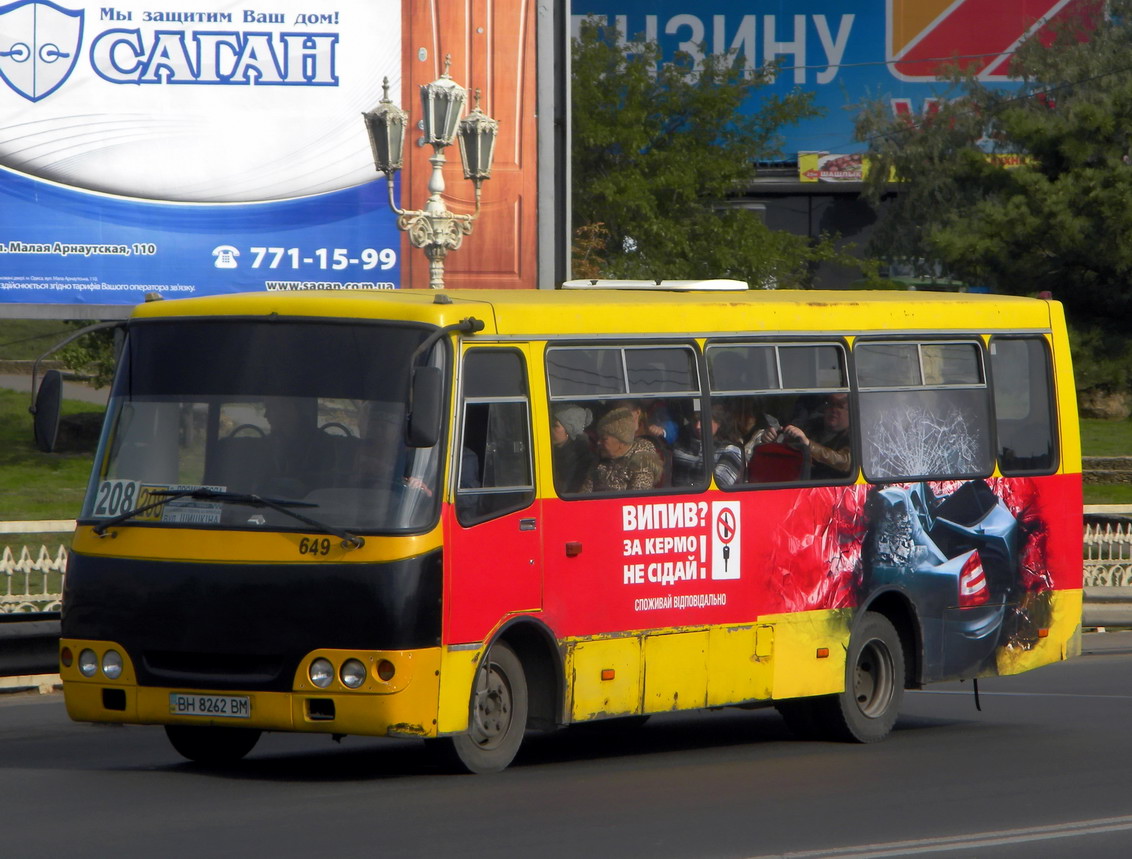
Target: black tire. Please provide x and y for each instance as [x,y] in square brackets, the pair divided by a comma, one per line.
[874,684]
[874,689]
[212,744]
[498,717]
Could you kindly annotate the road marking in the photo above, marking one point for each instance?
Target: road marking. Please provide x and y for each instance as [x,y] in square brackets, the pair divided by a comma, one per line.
[982,694]
[951,843]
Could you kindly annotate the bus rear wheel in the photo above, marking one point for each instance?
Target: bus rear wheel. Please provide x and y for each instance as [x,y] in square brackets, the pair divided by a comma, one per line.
[874,689]
[212,744]
[874,684]
[498,717]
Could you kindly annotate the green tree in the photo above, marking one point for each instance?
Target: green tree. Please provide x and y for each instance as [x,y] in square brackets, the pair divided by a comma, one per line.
[660,151]
[1027,188]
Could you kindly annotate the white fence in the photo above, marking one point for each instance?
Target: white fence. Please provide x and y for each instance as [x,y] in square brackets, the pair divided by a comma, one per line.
[31,579]
[1108,554]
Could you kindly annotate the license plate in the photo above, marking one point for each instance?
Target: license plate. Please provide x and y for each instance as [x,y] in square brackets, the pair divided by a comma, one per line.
[212,706]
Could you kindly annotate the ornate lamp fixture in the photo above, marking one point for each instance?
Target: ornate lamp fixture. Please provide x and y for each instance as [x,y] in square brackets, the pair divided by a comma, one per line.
[434,229]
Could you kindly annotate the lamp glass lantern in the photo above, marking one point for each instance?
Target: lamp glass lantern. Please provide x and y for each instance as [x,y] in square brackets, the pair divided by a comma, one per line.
[442,101]
[477,143]
[386,126]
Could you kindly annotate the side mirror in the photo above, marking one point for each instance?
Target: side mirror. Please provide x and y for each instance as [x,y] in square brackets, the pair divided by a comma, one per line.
[426,389]
[48,404]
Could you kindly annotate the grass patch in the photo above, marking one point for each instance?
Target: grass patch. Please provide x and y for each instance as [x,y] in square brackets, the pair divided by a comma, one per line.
[33,484]
[1106,438]
[1108,493]
[27,339]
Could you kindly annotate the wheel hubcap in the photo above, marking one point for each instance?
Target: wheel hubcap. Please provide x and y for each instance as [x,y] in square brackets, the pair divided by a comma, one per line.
[493,708]
[873,679]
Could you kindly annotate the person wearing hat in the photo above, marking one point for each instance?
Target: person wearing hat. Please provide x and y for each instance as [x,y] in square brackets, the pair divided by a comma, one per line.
[570,446]
[628,462]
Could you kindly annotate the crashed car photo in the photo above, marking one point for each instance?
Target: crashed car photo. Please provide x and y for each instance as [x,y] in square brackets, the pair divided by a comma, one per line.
[957,556]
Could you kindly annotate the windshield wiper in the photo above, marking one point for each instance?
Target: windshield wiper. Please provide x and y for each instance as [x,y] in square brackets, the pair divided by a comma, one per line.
[281,505]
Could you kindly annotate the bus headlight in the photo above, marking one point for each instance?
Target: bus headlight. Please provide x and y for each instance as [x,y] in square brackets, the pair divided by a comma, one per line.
[321,673]
[112,664]
[88,663]
[353,673]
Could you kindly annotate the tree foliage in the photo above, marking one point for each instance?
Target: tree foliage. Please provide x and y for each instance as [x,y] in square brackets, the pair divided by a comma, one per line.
[1026,188]
[660,151]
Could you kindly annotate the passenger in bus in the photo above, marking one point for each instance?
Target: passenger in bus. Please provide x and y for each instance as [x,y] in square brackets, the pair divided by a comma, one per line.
[570,446]
[627,462]
[827,437]
[654,421]
[688,455]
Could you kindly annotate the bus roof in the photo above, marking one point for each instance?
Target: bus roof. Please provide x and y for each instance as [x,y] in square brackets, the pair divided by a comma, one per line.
[558,313]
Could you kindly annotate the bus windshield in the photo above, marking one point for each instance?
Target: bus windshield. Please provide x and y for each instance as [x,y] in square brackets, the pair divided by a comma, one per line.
[295,411]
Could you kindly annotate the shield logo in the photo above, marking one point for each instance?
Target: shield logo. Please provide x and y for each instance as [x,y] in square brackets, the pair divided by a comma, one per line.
[39,44]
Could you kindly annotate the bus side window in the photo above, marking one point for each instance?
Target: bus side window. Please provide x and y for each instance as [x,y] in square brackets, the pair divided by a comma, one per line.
[619,415]
[1020,371]
[789,406]
[925,412]
[494,463]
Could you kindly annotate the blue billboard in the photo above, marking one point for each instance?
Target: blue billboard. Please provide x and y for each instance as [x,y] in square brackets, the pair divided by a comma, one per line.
[149,147]
[843,52]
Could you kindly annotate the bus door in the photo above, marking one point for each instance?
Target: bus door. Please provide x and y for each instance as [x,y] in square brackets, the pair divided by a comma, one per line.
[494,557]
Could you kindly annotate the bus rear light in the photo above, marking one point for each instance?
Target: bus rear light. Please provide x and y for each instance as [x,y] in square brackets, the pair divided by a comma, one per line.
[66,657]
[608,674]
[973,588]
[823,653]
[386,670]
[321,673]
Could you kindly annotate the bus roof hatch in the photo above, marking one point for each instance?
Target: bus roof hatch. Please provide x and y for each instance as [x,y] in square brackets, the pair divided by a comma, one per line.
[712,285]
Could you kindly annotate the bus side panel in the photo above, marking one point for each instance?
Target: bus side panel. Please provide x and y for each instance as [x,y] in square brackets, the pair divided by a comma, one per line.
[985,566]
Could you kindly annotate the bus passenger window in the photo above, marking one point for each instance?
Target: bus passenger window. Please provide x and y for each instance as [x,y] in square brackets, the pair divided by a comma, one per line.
[924,410]
[495,474]
[617,414]
[1022,396]
[790,405]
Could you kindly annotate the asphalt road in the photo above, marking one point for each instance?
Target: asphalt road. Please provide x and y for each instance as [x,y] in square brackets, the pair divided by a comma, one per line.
[1044,769]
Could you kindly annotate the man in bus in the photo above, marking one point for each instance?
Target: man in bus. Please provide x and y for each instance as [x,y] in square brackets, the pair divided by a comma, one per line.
[628,461]
[828,439]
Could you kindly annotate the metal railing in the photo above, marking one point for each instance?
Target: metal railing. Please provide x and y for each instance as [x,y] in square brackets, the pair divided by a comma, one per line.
[1108,566]
[31,593]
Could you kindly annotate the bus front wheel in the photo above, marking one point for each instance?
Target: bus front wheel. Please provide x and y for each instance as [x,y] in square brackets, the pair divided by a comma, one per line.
[498,716]
[211,744]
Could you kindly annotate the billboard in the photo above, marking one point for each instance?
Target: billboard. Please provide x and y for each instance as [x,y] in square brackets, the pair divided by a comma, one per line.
[843,52]
[146,148]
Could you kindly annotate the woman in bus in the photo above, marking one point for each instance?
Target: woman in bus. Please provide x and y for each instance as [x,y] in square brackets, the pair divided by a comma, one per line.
[688,455]
[570,446]
[627,461]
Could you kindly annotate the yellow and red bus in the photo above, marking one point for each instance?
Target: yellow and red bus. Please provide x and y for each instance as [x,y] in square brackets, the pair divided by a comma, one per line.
[350,513]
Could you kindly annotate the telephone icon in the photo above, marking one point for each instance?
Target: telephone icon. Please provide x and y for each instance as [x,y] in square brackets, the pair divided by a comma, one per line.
[226,256]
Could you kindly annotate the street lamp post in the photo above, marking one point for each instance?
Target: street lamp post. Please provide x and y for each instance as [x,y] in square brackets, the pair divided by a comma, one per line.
[435,229]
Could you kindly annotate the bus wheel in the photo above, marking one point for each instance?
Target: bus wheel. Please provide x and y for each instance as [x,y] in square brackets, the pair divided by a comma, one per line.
[874,684]
[498,714]
[211,744]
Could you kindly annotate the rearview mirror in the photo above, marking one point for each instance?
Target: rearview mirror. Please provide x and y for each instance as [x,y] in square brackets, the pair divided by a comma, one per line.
[426,388]
[48,404]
